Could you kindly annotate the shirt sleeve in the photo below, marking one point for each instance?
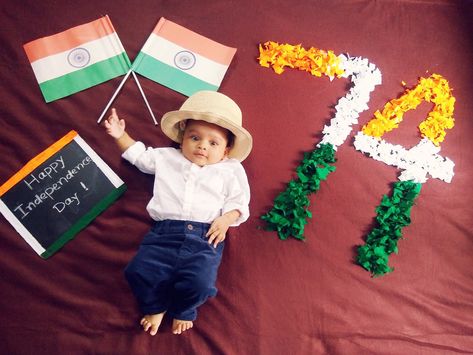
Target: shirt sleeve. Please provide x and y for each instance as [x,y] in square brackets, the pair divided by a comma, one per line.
[141,157]
[238,195]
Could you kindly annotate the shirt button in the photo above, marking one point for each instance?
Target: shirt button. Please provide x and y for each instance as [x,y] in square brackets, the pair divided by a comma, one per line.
[190,227]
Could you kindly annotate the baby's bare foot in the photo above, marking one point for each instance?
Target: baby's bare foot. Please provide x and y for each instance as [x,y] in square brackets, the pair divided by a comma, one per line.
[152,322]
[180,326]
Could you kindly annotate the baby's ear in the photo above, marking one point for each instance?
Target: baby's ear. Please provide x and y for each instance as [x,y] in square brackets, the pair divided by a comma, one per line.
[182,125]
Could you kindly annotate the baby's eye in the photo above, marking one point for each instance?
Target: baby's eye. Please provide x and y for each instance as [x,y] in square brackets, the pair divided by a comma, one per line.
[194,138]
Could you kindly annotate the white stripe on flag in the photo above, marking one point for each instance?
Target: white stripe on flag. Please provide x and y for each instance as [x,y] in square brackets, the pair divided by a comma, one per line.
[57,65]
[165,51]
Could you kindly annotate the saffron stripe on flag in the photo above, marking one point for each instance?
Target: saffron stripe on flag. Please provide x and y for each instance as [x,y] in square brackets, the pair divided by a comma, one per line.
[59,64]
[84,49]
[183,60]
[82,79]
[203,68]
[69,39]
[194,42]
[171,77]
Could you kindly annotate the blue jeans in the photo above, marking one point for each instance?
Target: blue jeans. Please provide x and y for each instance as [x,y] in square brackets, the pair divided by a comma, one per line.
[175,269]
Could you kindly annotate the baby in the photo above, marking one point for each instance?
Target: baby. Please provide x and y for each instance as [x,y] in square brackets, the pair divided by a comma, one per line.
[200,190]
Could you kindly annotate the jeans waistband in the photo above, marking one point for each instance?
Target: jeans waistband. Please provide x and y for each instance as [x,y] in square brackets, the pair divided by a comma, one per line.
[179,227]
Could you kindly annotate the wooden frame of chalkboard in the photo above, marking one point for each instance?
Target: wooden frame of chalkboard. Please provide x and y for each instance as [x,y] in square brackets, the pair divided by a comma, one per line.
[58,193]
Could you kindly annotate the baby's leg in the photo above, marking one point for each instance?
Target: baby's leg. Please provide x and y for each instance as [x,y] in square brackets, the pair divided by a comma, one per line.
[149,283]
[180,326]
[152,322]
[149,275]
[195,284]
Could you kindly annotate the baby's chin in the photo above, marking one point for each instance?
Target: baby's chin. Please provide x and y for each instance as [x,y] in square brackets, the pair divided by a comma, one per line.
[201,160]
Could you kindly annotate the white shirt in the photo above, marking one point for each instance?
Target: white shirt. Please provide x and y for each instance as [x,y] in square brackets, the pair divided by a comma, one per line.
[185,191]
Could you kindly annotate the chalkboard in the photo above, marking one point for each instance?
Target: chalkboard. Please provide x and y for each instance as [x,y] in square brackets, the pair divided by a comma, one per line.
[58,193]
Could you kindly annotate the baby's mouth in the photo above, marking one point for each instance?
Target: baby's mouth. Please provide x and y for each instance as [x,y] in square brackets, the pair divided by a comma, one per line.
[200,154]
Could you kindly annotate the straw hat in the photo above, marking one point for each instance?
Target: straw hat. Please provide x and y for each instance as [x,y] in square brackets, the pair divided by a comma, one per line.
[212,107]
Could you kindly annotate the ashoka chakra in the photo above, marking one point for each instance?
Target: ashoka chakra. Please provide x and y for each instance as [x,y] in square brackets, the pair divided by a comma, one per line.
[184,60]
[78,57]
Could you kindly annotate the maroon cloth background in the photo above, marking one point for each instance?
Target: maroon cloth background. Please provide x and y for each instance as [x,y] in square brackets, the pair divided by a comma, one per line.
[275,297]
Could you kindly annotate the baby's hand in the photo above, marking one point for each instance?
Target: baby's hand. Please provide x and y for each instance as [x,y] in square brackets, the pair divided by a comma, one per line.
[218,230]
[115,126]
[220,225]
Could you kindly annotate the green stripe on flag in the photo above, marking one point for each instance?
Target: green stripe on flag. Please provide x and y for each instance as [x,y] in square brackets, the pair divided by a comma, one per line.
[84,221]
[85,78]
[169,76]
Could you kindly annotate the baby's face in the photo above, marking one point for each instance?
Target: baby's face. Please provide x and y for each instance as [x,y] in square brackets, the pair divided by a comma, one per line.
[204,143]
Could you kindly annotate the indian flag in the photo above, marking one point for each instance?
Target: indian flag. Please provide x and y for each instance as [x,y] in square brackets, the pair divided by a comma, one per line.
[183,60]
[77,59]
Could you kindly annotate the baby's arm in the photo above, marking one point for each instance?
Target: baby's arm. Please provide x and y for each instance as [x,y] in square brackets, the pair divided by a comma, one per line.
[116,128]
[220,225]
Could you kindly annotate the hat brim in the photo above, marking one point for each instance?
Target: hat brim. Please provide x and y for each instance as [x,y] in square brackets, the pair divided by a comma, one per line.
[243,141]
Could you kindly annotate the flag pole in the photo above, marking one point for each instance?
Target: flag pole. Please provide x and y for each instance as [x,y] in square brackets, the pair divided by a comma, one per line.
[144,97]
[114,95]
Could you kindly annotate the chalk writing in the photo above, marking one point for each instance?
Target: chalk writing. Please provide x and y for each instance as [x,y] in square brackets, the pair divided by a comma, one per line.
[58,193]
[60,206]
[52,172]
[46,172]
